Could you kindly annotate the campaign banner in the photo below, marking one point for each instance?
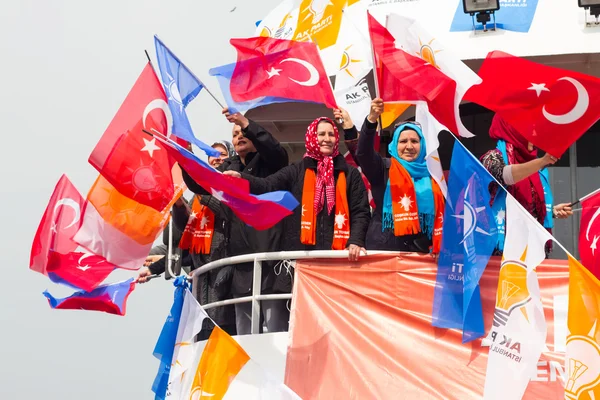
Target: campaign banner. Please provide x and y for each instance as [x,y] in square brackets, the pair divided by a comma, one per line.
[363,331]
[514,15]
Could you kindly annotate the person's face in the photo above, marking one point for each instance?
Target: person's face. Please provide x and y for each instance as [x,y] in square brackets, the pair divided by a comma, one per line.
[241,144]
[326,138]
[216,161]
[409,145]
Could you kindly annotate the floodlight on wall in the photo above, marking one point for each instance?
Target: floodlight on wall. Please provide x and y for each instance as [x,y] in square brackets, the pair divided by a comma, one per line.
[482,10]
[594,7]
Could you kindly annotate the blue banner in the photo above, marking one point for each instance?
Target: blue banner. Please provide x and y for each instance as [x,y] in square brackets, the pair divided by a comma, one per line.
[514,15]
[468,240]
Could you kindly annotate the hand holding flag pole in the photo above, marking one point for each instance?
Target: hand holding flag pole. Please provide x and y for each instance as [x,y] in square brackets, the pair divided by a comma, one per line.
[584,197]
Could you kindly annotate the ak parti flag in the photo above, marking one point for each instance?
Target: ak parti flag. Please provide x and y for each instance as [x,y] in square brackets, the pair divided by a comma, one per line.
[111,299]
[589,234]
[551,107]
[55,254]
[582,360]
[131,160]
[221,361]
[279,68]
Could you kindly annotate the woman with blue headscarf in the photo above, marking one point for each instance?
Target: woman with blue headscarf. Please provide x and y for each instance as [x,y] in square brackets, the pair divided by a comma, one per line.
[409,204]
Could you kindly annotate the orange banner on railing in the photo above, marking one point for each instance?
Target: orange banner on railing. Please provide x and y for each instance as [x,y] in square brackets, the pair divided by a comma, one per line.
[363,331]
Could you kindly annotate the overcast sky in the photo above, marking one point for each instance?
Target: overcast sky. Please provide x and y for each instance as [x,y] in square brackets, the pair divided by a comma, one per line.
[66,68]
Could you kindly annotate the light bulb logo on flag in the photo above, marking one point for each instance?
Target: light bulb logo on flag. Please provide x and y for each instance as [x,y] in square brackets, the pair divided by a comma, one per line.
[583,364]
[512,291]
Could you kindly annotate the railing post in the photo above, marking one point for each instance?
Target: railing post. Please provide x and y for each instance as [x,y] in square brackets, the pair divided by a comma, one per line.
[256,289]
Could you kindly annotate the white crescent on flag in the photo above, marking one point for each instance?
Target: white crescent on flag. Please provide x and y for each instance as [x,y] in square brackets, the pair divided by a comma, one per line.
[578,111]
[161,104]
[74,205]
[587,232]
[314,74]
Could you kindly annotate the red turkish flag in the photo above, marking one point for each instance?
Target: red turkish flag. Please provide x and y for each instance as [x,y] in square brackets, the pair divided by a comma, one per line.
[54,253]
[589,234]
[402,77]
[551,107]
[132,161]
[279,68]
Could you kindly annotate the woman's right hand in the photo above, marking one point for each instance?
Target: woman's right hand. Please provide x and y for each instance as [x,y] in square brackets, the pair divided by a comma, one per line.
[341,114]
[549,159]
[143,275]
[151,259]
[376,110]
[233,173]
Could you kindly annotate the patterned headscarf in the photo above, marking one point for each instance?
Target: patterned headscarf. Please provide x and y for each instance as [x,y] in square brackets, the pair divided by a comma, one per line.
[324,164]
[228,147]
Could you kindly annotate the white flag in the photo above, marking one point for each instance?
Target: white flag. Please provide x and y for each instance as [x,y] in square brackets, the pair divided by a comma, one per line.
[356,100]
[190,324]
[431,129]
[518,335]
[253,382]
[350,59]
[281,21]
[415,40]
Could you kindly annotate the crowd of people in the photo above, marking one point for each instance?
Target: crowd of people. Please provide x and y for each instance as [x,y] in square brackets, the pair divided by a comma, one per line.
[334,211]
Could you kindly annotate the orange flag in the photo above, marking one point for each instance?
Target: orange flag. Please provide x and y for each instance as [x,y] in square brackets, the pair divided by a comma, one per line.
[221,361]
[582,361]
[391,111]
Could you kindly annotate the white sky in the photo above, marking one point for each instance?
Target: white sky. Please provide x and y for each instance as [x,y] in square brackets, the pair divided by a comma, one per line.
[66,68]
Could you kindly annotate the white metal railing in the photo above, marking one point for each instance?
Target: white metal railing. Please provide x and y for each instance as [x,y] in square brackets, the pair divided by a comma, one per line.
[257,259]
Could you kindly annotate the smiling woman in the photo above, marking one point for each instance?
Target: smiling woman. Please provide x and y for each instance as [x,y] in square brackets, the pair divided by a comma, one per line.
[409,205]
[322,180]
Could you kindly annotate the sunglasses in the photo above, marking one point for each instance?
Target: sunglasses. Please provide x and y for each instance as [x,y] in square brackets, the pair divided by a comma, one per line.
[397,124]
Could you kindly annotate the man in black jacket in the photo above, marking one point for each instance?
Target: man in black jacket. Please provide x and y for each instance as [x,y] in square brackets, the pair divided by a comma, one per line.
[258,154]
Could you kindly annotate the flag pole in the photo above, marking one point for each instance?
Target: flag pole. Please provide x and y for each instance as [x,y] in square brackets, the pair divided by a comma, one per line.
[375,79]
[584,197]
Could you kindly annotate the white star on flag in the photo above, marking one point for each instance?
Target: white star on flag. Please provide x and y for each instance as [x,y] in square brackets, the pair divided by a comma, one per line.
[218,194]
[150,146]
[274,71]
[594,245]
[539,88]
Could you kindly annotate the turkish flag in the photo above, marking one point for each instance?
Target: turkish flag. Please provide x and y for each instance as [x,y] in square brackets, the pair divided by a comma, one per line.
[279,68]
[54,253]
[549,106]
[589,234]
[403,78]
[131,160]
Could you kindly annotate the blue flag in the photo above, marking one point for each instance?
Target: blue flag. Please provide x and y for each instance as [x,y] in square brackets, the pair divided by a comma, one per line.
[468,240]
[181,87]
[165,345]
[223,75]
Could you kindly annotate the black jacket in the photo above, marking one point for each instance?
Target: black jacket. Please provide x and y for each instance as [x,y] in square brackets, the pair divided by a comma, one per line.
[216,284]
[243,239]
[292,179]
[376,169]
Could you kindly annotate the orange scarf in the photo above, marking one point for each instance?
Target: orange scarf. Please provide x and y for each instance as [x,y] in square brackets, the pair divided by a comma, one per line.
[341,230]
[198,233]
[404,206]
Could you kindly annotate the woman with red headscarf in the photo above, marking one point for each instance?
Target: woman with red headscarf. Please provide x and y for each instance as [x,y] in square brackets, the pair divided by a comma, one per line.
[515,164]
[335,210]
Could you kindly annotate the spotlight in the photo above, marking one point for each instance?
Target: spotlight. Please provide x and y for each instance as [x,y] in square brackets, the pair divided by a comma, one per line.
[482,10]
[594,7]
